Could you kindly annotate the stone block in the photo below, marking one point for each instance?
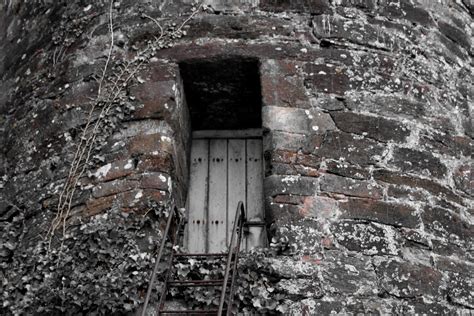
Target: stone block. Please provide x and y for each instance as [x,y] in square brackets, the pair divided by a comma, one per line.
[157,98]
[327,79]
[447,224]
[421,162]
[293,120]
[281,213]
[368,239]
[281,169]
[345,147]
[407,280]
[281,84]
[387,105]
[455,146]
[395,9]
[344,169]
[300,287]
[455,34]
[429,185]
[291,267]
[383,212]
[303,237]
[353,30]
[460,281]
[375,127]
[342,274]
[328,103]
[297,185]
[285,140]
[235,26]
[350,187]
[464,179]
[359,4]
[406,192]
[303,6]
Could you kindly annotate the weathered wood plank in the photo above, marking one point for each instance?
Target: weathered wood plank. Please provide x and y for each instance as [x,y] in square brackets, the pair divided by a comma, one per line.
[217,195]
[236,180]
[198,196]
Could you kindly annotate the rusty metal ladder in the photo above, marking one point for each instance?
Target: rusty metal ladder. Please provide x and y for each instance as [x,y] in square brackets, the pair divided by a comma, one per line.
[226,284]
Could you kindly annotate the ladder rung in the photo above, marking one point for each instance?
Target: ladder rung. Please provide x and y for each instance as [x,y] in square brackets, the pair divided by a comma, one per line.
[190,311]
[195,283]
[201,255]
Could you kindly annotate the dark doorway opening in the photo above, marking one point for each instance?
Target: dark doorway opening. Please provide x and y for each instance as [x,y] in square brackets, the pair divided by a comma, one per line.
[223,93]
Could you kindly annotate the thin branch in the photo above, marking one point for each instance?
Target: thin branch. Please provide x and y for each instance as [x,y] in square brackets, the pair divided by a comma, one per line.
[158,24]
[111,26]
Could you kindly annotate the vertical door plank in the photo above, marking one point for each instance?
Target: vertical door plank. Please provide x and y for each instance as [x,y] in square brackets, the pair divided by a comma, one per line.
[254,191]
[236,180]
[198,190]
[217,195]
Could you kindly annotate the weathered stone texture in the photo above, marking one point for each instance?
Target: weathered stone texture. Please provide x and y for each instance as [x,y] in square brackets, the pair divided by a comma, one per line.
[367,135]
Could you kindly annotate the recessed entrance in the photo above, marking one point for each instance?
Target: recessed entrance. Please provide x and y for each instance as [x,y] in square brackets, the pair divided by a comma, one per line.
[226,164]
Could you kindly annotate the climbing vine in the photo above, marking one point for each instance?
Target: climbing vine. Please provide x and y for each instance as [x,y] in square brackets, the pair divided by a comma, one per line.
[111,96]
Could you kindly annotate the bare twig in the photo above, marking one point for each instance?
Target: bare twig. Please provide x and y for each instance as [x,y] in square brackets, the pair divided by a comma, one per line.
[111,27]
[158,24]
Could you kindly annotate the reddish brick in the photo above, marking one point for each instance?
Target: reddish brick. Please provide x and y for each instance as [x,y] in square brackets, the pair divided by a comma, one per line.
[319,207]
[159,162]
[149,144]
[115,170]
[113,187]
[289,199]
[99,205]
[154,180]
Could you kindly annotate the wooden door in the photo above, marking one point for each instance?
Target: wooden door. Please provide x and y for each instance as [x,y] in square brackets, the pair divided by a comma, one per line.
[223,172]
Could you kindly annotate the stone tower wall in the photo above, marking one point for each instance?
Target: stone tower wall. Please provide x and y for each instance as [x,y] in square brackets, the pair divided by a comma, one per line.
[366,110]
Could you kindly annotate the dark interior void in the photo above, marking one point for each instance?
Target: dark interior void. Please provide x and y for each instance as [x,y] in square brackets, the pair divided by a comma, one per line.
[222,93]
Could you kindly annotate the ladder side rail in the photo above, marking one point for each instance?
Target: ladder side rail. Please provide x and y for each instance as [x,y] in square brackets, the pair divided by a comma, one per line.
[157,261]
[239,218]
[181,221]
[236,260]
[166,234]
[164,290]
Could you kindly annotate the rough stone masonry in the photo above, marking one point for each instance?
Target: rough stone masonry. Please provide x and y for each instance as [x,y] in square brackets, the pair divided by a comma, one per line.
[366,110]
